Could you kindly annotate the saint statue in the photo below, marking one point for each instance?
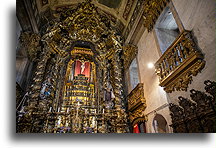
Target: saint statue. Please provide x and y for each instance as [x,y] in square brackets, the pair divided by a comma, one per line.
[46,89]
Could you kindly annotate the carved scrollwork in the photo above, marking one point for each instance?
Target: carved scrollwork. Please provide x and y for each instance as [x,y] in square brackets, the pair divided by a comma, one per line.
[138,113]
[152,10]
[195,115]
[136,103]
[176,112]
[202,100]
[210,87]
[188,106]
[129,53]
[31,43]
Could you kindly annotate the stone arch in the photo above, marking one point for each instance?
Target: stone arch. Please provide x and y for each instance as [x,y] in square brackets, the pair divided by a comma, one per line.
[159,124]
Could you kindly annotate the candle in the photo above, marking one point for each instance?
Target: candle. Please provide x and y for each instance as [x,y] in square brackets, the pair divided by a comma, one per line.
[58,109]
[50,109]
[67,110]
[103,110]
[93,121]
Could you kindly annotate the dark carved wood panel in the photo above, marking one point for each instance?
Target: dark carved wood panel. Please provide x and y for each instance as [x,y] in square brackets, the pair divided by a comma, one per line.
[197,114]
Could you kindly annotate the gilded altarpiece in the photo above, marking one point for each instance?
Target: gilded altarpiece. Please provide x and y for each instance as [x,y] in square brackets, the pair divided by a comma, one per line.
[77,86]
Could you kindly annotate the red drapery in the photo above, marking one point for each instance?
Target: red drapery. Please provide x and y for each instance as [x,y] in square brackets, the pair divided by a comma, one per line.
[86,71]
[136,129]
[77,68]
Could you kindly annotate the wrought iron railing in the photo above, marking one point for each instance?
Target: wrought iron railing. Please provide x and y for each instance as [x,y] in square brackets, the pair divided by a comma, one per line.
[179,63]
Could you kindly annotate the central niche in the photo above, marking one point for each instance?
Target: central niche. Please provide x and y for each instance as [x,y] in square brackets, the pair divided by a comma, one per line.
[80,81]
[79,92]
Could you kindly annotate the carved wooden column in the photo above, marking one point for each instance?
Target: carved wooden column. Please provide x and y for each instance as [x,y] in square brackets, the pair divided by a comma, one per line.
[117,80]
[30,43]
[117,73]
[56,81]
[36,103]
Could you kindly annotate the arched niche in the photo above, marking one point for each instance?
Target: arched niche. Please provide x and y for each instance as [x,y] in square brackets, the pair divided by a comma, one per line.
[159,124]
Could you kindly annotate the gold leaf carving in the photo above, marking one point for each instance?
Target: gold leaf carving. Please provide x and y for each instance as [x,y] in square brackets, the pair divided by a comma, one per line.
[152,10]
[179,63]
[130,52]
[30,42]
[136,103]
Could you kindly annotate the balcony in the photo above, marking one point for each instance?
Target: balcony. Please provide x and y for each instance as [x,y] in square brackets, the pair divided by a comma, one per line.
[136,103]
[179,63]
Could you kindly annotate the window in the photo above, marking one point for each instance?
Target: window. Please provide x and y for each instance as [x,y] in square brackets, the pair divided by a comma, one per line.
[134,78]
[166,29]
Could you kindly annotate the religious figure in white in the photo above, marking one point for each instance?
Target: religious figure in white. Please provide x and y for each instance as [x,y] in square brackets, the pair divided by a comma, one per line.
[82,67]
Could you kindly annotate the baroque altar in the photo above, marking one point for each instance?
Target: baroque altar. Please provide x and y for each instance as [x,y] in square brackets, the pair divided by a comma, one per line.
[77,85]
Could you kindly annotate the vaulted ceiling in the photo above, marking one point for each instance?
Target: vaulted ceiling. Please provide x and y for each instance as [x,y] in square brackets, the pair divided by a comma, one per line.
[116,9]
[122,12]
[113,7]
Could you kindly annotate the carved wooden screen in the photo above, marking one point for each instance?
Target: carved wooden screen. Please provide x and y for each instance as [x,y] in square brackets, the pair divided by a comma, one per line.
[195,115]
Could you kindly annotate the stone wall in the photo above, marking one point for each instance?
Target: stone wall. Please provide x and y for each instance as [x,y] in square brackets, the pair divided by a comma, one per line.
[154,94]
[21,65]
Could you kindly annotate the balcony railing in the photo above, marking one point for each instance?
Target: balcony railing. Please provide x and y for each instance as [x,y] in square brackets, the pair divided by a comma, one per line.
[136,103]
[179,63]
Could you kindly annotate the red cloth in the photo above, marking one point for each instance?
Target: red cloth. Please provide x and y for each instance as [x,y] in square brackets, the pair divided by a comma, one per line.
[86,71]
[136,129]
[77,68]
